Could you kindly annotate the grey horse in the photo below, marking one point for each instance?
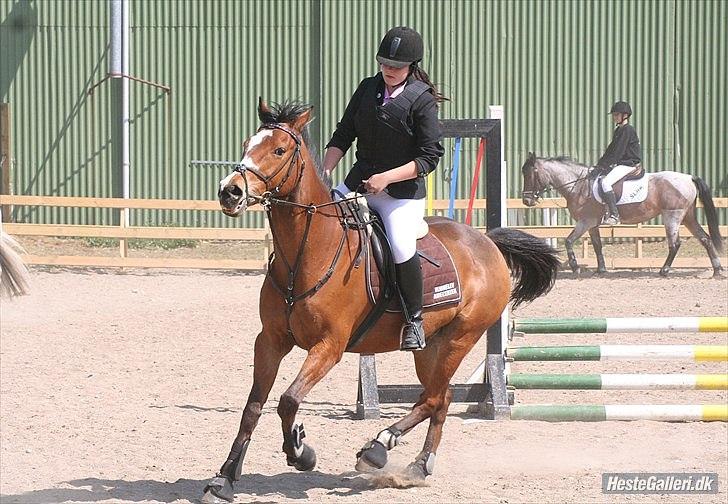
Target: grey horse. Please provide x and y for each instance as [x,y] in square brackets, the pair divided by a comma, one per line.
[670,194]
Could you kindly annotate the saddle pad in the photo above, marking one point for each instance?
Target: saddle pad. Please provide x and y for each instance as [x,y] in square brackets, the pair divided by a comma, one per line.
[441,284]
[633,191]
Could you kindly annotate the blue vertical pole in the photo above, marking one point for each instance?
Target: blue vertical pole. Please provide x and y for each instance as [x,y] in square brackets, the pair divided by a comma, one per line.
[454,177]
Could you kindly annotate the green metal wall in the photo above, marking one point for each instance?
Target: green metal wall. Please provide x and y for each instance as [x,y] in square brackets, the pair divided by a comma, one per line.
[555,66]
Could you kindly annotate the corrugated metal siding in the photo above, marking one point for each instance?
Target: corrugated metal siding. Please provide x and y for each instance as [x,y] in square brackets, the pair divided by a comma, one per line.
[555,66]
[218,57]
[51,53]
[701,58]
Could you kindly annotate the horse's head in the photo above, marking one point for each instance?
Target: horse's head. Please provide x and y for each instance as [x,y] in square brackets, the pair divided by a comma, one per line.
[534,180]
[272,163]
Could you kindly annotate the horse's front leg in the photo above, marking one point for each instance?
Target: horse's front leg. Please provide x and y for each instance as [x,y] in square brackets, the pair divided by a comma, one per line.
[269,351]
[321,358]
[596,239]
[579,229]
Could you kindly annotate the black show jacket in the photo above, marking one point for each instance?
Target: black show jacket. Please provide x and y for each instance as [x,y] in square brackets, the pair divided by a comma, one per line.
[379,148]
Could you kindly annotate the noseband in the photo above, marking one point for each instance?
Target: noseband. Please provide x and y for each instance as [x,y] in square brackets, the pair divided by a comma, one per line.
[269,193]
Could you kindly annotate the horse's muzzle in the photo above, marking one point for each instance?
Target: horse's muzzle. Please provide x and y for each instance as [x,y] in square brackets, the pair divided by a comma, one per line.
[232,200]
[529,199]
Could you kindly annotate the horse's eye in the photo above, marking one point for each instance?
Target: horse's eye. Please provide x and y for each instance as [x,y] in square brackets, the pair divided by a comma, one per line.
[280,151]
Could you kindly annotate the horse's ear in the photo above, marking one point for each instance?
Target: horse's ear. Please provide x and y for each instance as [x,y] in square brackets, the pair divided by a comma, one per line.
[531,155]
[303,119]
[263,109]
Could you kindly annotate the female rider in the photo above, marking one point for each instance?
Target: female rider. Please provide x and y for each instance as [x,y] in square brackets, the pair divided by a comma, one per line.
[393,117]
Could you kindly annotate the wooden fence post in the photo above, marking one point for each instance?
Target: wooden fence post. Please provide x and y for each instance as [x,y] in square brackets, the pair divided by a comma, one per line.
[5,158]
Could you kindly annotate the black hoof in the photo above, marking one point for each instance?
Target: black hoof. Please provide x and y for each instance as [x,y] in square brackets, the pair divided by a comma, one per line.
[372,456]
[664,272]
[307,460]
[718,273]
[218,490]
[601,272]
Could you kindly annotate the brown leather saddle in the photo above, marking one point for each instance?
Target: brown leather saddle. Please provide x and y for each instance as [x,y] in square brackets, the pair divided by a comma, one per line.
[440,277]
[636,174]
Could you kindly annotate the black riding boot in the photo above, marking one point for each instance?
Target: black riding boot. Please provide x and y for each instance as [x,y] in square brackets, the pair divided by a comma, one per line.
[612,218]
[409,281]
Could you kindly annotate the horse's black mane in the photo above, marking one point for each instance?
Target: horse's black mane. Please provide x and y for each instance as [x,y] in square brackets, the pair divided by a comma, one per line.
[287,112]
[562,159]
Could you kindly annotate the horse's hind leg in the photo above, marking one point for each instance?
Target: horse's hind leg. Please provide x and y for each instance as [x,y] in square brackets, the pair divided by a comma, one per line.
[672,219]
[373,454]
[698,232]
[435,367]
[269,351]
[424,463]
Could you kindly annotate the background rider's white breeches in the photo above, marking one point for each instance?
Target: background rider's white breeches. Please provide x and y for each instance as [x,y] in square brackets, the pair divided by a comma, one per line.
[617,173]
[401,221]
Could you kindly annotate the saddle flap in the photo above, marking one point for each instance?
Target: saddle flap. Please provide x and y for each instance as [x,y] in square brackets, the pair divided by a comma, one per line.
[441,281]
[631,189]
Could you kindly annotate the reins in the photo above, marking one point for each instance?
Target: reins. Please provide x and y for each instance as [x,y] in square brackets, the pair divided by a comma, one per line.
[268,200]
[537,194]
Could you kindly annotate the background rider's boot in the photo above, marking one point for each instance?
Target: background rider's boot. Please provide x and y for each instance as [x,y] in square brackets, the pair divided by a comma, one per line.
[409,281]
[612,219]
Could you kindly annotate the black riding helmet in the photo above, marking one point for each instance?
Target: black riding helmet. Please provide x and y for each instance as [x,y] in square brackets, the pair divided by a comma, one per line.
[400,47]
[621,107]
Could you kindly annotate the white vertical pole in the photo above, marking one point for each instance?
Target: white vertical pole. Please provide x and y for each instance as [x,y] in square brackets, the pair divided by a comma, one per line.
[118,69]
[125,104]
[497,112]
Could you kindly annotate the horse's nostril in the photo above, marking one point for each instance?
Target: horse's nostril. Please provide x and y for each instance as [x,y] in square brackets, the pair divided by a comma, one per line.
[235,191]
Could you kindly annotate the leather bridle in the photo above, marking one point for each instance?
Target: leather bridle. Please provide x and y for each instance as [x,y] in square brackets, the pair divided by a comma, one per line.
[265,198]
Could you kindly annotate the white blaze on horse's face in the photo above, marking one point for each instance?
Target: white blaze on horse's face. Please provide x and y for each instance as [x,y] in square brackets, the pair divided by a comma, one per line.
[234,191]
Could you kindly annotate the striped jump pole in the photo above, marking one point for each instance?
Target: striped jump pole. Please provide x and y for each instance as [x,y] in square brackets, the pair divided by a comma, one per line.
[618,381]
[621,325]
[600,413]
[698,353]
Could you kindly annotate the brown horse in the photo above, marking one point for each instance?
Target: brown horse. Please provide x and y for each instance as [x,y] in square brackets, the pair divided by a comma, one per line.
[314,295]
[670,194]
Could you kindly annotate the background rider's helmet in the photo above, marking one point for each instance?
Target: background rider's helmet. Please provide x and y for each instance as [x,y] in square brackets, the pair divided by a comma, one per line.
[400,47]
[621,107]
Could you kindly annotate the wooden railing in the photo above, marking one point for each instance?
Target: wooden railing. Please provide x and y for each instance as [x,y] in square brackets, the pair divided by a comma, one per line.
[262,235]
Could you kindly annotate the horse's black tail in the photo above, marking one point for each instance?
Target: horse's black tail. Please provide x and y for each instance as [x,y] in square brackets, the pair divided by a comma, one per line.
[710,213]
[533,263]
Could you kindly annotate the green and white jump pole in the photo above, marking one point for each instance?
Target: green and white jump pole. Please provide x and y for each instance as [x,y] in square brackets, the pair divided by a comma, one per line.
[697,353]
[620,325]
[594,413]
[618,381]
[600,413]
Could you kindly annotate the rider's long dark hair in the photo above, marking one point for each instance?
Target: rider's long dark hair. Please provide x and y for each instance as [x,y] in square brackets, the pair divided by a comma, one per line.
[418,73]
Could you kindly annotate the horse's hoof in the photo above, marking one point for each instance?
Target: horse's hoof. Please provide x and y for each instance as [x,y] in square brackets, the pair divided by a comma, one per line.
[363,466]
[372,456]
[664,272]
[307,460]
[219,490]
[601,272]
[718,273]
[416,471]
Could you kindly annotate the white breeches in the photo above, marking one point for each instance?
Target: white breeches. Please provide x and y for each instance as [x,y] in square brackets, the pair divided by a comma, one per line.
[401,221]
[614,176]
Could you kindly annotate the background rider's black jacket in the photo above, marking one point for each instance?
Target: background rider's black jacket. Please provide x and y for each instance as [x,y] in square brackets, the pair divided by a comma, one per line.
[380,148]
[623,150]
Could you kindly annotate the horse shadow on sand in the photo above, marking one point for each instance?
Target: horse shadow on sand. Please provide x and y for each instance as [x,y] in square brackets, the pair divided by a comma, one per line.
[251,487]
